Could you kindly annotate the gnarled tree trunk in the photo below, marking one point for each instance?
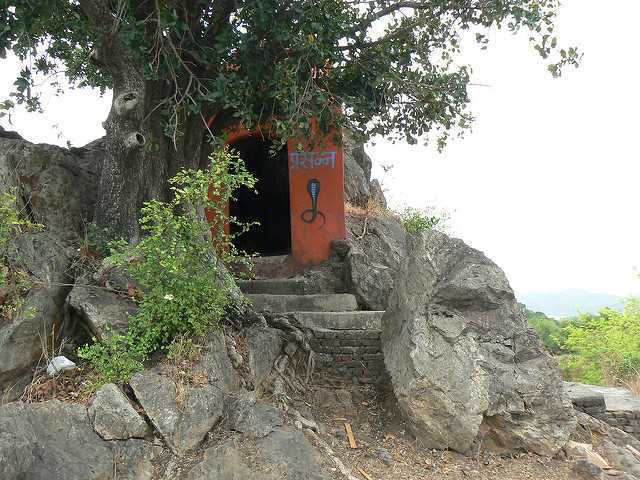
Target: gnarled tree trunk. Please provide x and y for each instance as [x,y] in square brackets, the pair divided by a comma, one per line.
[140,157]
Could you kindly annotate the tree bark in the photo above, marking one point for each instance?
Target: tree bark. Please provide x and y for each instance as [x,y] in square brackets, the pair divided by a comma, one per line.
[140,158]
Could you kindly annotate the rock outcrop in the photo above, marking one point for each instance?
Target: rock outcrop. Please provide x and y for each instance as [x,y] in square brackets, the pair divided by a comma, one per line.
[359,188]
[464,364]
[182,422]
[113,417]
[99,310]
[55,187]
[54,441]
[377,245]
[38,319]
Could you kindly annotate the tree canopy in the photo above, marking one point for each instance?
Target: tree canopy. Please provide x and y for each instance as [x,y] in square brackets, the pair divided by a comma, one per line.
[385,67]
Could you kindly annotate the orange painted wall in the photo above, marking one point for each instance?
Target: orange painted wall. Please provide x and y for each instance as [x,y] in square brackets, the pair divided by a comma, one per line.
[320,161]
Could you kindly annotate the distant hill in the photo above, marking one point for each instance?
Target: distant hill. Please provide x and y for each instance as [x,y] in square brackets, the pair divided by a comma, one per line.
[570,302]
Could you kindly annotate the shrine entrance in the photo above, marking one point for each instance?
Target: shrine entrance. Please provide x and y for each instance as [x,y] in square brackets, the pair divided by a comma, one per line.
[298,199]
[268,204]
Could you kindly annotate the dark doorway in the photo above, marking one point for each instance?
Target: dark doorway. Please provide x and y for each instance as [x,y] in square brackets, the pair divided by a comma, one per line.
[269,206]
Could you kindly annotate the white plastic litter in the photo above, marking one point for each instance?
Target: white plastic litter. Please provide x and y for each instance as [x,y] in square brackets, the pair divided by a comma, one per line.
[60,364]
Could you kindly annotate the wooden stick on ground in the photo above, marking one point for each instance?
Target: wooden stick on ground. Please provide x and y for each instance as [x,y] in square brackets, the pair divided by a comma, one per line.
[352,439]
[327,449]
[365,474]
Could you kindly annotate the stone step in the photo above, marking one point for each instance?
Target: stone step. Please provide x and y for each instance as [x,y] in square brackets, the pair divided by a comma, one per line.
[340,320]
[324,302]
[276,286]
[277,266]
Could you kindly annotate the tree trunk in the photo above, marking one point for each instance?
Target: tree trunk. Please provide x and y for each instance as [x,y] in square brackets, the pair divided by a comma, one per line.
[140,158]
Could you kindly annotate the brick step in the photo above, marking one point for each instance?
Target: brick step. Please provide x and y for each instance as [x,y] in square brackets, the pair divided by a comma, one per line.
[336,320]
[276,286]
[347,349]
[323,302]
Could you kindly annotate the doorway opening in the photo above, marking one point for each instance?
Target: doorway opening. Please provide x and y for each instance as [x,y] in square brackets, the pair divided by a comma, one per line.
[269,206]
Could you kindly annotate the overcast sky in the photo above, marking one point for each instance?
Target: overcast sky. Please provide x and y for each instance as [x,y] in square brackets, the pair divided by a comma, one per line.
[547,184]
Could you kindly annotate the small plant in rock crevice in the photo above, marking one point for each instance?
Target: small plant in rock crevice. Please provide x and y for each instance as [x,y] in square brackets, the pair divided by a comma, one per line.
[418,220]
[14,282]
[178,264]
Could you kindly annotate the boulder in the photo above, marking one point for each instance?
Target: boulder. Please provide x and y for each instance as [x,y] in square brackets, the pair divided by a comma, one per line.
[224,463]
[56,186]
[464,364]
[264,346]
[216,365]
[113,417]
[357,172]
[182,424]
[377,246]
[51,441]
[21,339]
[621,458]
[99,310]
[290,455]
[245,415]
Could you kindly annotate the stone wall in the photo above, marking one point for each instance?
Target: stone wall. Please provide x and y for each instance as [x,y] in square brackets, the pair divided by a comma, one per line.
[591,405]
[615,406]
[356,354]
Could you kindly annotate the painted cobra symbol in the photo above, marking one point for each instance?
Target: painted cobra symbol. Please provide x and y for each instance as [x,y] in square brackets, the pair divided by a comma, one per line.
[310,215]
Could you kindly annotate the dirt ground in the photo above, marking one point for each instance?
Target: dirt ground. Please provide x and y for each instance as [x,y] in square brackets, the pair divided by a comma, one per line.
[375,428]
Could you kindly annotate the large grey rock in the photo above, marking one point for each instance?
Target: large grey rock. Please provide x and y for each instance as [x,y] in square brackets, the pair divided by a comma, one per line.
[621,458]
[221,463]
[21,339]
[264,346]
[40,315]
[101,310]
[56,186]
[225,463]
[357,172]
[183,426]
[290,455]
[588,425]
[113,417]
[377,246]
[464,364]
[215,364]
[51,441]
[245,415]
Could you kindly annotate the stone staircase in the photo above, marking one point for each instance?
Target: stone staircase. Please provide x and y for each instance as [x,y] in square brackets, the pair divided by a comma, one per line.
[346,340]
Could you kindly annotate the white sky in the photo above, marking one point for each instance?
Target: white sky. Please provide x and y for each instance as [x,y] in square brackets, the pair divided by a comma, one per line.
[547,184]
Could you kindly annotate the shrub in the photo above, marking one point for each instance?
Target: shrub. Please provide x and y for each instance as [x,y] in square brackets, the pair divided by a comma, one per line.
[416,220]
[549,330]
[178,265]
[604,348]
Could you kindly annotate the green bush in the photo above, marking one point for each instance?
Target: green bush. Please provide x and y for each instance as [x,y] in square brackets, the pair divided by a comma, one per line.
[416,220]
[178,264]
[113,360]
[548,329]
[604,348]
